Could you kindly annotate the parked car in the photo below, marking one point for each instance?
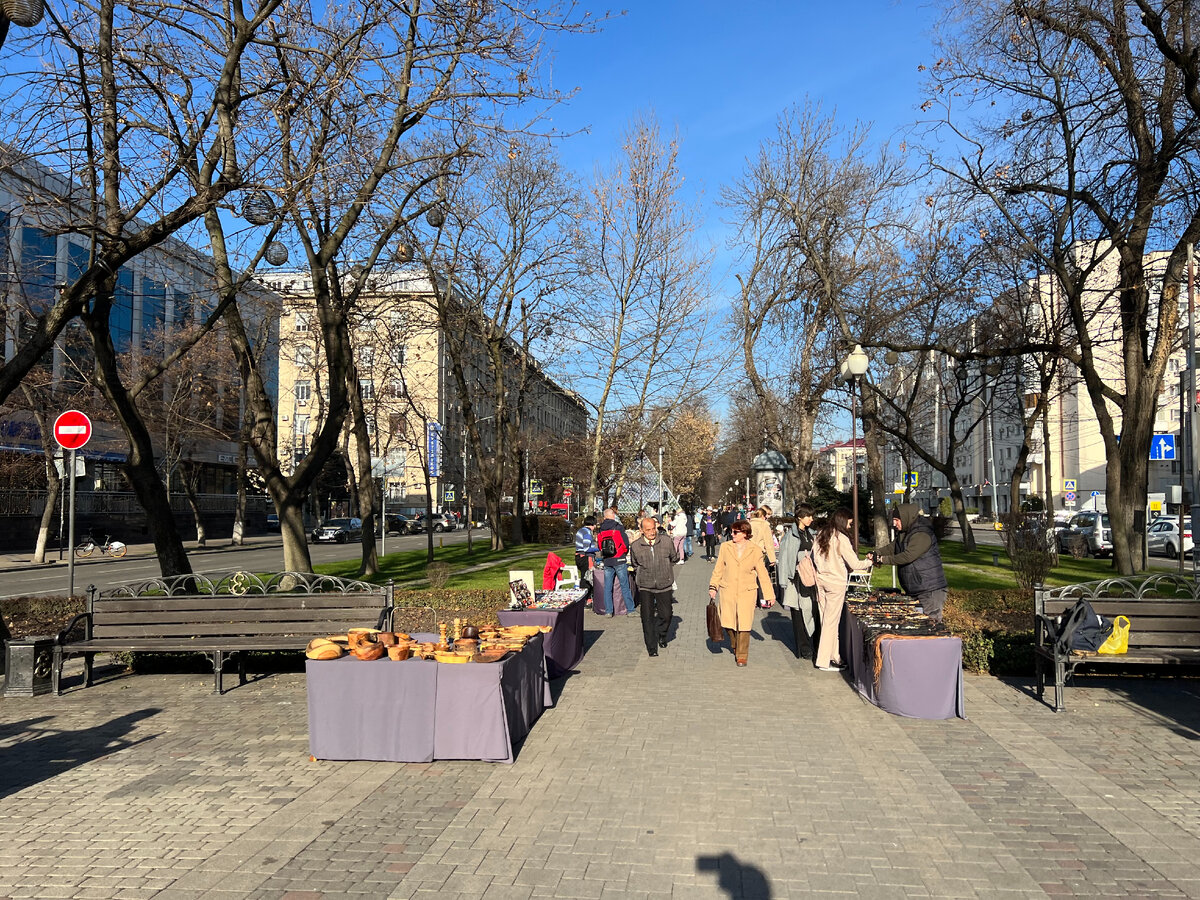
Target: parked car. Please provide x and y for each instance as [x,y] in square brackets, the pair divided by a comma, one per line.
[441,522]
[1092,529]
[338,531]
[1163,537]
[272,521]
[400,524]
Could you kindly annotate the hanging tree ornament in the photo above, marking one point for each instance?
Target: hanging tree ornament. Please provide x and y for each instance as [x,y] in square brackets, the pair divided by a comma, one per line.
[403,254]
[436,216]
[25,13]
[258,208]
[277,253]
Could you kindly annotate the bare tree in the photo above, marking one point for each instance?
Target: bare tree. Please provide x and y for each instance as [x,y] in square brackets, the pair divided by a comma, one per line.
[1081,114]
[642,326]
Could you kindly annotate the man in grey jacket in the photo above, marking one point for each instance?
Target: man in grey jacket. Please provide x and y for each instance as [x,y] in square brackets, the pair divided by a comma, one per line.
[653,558]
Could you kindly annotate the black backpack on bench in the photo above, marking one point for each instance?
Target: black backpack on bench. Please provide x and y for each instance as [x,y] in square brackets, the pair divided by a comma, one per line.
[1079,628]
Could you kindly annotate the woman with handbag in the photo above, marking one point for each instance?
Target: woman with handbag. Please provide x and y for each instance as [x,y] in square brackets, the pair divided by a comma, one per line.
[834,559]
[739,573]
[799,593]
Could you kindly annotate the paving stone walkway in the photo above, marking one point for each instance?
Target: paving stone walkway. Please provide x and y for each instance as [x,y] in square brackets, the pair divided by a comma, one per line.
[678,776]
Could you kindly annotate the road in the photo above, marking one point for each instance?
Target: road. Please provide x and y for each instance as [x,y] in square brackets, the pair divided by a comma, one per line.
[262,554]
[986,536]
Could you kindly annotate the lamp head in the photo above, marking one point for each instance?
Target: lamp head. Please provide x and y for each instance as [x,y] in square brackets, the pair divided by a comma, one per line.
[857,361]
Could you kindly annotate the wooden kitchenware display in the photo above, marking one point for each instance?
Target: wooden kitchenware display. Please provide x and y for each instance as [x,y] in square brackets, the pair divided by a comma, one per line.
[458,642]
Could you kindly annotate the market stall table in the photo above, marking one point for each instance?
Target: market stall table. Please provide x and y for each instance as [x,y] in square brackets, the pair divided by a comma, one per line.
[564,643]
[919,677]
[420,710]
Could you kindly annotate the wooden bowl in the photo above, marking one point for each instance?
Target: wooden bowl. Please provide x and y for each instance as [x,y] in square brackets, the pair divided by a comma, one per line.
[388,638]
[323,648]
[399,653]
[369,650]
[466,644]
[488,656]
[356,636]
[526,630]
[449,656]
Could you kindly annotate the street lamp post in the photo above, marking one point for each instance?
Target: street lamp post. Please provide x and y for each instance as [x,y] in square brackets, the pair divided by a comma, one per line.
[852,368]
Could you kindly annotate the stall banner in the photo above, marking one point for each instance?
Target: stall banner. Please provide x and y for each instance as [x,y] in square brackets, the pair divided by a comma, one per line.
[433,451]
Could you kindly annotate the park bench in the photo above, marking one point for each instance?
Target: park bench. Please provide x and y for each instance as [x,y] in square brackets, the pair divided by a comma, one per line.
[1164,612]
[221,616]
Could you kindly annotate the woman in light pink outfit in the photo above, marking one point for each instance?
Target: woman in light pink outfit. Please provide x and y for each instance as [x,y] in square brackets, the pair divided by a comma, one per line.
[834,558]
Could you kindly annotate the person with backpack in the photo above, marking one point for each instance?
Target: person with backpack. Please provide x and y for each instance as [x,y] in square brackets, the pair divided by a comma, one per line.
[798,598]
[917,559]
[614,559]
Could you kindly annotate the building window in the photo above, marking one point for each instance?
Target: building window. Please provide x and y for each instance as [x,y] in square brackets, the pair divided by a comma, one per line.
[366,357]
[304,356]
[303,392]
[366,388]
[399,354]
[303,321]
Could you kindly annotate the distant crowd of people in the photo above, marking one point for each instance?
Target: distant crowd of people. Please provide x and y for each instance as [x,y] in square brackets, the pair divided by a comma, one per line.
[755,566]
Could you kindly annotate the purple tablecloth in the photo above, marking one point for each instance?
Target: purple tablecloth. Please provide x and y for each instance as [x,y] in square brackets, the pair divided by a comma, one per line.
[625,605]
[920,678]
[420,710]
[564,644]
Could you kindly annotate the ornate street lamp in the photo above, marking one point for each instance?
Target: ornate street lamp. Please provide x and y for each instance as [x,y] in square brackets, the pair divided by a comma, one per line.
[854,367]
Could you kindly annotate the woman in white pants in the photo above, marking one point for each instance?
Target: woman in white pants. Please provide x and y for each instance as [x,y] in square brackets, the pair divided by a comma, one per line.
[834,559]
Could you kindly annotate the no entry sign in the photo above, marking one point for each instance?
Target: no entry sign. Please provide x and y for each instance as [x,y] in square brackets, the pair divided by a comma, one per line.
[72,429]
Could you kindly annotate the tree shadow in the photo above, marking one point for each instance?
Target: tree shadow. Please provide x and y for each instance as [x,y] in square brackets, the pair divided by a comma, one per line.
[1167,700]
[736,879]
[47,752]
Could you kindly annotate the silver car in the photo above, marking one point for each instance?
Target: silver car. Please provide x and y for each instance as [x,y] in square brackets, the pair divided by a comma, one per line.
[1091,529]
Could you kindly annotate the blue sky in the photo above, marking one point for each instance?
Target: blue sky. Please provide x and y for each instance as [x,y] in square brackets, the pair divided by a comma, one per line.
[722,72]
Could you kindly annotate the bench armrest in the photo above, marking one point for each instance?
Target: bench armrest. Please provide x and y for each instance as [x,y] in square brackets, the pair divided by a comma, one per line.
[61,637]
[385,617]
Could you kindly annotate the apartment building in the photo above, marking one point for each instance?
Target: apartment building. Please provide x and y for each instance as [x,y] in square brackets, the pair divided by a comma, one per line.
[842,461]
[1068,455]
[414,411]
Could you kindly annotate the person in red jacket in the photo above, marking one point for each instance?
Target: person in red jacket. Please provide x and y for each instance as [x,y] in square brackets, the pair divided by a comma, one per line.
[614,560]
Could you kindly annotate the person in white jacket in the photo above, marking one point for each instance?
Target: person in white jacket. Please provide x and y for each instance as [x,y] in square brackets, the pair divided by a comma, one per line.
[679,530]
[834,558]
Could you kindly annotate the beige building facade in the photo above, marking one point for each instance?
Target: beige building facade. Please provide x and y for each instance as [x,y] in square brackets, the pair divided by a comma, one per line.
[414,413]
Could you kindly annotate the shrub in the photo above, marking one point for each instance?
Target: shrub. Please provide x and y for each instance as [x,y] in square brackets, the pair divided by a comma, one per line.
[977,650]
[1031,547]
[438,574]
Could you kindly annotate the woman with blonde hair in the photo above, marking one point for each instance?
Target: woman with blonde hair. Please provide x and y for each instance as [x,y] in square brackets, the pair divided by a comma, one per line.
[738,575]
[834,559]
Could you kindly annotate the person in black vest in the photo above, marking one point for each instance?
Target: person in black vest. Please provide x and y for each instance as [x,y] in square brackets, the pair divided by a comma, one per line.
[917,559]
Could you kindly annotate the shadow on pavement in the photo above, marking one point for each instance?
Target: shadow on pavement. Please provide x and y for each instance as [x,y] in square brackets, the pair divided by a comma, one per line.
[737,879]
[46,752]
[1170,700]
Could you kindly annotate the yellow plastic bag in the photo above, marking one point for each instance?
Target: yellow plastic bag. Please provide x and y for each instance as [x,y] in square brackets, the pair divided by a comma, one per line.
[1118,641]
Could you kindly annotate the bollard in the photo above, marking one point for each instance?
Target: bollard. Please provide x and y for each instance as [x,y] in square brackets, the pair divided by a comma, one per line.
[441,543]
[995,559]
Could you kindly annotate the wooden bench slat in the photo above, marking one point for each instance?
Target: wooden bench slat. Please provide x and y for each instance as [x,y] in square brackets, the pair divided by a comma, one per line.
[317,627]
[199,645]
[364,617]
[1173,608]
[246,601]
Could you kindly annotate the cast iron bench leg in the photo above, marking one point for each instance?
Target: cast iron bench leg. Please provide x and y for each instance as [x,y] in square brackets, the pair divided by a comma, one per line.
[1060,677]
[88,659]
[1039,665]
[56,675]
[241,658]
[218,662]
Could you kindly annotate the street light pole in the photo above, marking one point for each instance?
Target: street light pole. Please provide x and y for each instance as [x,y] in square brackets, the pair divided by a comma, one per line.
[853,368]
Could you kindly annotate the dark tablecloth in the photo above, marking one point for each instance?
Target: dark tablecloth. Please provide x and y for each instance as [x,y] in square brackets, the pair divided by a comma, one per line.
[625,605]
[420,710]
[921,678]
[564,644]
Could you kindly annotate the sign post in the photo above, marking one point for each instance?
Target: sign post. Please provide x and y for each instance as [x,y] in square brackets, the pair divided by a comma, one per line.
[72,430]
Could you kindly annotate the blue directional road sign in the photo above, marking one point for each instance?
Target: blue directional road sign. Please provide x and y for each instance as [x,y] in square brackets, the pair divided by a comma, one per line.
[1163,446]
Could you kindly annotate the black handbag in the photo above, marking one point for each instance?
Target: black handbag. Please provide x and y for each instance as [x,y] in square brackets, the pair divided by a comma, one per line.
[715,632]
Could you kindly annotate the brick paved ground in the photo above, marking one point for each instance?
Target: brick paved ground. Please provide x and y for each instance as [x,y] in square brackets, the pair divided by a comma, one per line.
[679,776]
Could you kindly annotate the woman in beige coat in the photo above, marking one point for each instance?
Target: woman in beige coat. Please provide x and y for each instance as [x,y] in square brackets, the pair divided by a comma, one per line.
[833,558]
[739,573]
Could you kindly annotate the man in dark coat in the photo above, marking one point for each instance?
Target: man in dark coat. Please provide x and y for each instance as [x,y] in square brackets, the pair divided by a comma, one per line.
[917,559]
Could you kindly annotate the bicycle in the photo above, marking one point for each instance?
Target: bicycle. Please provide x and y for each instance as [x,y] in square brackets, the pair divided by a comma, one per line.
[89,545]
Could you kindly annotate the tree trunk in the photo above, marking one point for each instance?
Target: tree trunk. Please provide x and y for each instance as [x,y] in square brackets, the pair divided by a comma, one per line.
[239,514]
[189,489]
[960,513]
[53,483]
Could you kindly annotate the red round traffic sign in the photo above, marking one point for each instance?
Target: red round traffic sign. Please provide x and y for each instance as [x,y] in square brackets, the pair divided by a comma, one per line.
[72,429]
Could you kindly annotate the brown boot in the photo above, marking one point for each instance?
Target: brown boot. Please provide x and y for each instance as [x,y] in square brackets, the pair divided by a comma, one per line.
[732,640]
[743,647]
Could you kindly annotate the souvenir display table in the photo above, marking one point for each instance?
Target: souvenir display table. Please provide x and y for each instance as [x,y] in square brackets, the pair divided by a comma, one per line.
[625,605]
[419,710]
[898,660]
[563,609]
